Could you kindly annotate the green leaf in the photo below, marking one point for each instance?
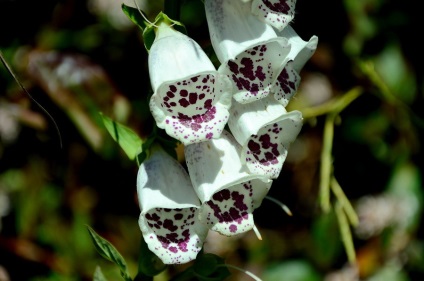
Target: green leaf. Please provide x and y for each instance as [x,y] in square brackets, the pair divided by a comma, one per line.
[207,267]
[109,252]
[98,275]
[149,264]
[135,16]
[127,139]
[210,267]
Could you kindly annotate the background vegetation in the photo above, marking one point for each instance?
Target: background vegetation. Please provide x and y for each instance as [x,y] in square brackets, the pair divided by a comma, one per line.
[362,95]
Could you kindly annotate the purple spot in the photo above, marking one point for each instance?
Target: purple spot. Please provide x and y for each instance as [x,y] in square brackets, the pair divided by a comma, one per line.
[173,88]
[233,228]
[192,98]
[173,249]
[183,93]
[184,102]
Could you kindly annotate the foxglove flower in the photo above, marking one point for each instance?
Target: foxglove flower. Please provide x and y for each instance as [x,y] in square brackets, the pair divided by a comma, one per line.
[169,207]
[278,13]
[228,191]
[191,99]
[287,82]
[265,131]
[249,50]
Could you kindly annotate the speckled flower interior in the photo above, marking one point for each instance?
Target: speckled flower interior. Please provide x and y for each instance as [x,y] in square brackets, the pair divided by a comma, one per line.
[191,108]
[266,151]
[253,71]
[286,84]
[172,236]
[229,212]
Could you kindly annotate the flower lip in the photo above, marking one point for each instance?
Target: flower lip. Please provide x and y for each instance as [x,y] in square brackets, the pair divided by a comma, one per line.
[169,222]
[301,51]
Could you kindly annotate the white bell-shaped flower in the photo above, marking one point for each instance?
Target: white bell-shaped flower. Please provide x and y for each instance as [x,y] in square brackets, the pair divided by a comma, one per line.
[169,210]
[250,51]
[191,99]
[265,131]
[228,191]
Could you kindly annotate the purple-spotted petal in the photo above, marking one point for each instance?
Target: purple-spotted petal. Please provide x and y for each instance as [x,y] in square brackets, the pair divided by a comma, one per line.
[228,191]
[285,87]
[249,50]
[191,99]
[230,211]
[278,13]
[265,130]
[169,210]
[252,72]
[193,109]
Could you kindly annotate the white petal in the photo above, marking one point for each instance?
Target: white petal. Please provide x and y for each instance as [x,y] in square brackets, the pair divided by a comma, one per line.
[216,170]
[287,82]
[233,28]
[301,51]
[265,130]
[169,207]
[193,109]
[249,50]
[278,13]
[191,99]
[253,71]
[173,56]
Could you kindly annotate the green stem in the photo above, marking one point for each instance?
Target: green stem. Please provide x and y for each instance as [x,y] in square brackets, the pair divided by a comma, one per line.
[172,9]
[326,163]
[345,233]
[344,202]
[332,106]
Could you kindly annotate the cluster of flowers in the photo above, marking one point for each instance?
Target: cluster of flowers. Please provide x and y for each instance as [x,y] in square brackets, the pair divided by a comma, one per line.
[229,171]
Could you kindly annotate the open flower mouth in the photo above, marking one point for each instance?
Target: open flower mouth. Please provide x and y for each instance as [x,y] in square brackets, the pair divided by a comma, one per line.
[193,96]
[193,109]
[229,212]
[173,231]
[252,71]
[265,152]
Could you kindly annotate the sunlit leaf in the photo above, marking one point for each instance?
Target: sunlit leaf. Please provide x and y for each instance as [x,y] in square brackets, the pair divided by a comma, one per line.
[129,141]
[109,252]
[135,16]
